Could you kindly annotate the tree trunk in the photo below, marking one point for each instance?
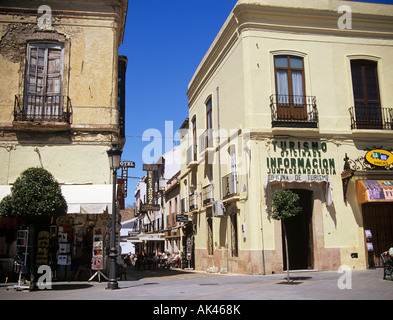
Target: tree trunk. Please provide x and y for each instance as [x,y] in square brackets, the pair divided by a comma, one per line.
[286,250]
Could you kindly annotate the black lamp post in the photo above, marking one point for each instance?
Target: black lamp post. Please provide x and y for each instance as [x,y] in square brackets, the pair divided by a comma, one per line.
[114,155]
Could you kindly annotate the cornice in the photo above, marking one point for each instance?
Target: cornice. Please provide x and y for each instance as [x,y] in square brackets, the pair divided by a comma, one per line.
[217,52]
[373,21]
[313,21]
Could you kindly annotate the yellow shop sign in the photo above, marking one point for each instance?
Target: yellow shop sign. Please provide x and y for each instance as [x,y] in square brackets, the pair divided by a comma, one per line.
[380,158]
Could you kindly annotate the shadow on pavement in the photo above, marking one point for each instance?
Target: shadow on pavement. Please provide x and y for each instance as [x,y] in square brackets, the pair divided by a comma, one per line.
[70,286]
[134,275]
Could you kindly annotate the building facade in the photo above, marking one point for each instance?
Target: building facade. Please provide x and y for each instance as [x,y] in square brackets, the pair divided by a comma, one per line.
[61,97]
[158,228]
[292,95]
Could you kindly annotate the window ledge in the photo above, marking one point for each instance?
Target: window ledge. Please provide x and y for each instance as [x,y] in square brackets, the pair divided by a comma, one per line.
[40,126]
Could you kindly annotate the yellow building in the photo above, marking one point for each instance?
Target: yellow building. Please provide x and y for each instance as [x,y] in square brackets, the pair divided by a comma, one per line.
[60,107]
[292,95]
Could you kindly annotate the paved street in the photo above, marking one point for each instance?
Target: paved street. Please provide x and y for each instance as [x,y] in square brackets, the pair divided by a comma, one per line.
[182,285]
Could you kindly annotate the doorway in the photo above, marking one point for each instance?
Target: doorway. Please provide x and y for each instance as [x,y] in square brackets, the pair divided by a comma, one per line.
[299,234]
[378,222]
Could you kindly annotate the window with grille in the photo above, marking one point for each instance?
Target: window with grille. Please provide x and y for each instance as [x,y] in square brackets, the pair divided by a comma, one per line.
[42,98]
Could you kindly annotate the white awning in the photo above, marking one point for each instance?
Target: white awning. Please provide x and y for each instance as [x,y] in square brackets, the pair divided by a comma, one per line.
[4,191]
[87,199]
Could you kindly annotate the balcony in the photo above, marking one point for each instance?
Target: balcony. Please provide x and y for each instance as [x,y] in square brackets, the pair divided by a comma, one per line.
[206,141]
[294,111]
[192,156]
[183,206]
[230,187]
[208,194]
[42,108]
[193,201]
[371,117]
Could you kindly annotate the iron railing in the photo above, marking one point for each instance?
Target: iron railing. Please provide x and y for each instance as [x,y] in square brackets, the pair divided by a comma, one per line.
[230,185]
[207,194]
[294,111]
[193,201]
[371,117]
[42,108]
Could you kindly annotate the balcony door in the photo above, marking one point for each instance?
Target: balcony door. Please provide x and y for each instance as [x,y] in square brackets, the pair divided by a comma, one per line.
[366,94]
[43,83]
[290,88]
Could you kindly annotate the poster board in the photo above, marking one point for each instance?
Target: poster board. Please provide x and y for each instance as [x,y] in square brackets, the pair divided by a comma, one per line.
[98,255]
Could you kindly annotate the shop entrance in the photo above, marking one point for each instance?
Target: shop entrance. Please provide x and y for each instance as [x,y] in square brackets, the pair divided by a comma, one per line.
[299,234]
[378,219]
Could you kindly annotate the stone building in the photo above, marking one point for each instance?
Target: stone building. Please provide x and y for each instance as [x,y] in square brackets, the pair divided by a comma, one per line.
[60,107]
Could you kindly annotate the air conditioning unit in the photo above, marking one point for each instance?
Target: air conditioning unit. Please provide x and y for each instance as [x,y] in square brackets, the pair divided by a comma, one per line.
[218,208]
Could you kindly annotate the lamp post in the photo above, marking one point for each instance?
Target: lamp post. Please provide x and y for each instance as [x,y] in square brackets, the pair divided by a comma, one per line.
[114,155]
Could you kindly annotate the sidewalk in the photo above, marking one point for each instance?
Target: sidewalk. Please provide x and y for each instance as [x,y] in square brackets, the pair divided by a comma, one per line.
[178,285]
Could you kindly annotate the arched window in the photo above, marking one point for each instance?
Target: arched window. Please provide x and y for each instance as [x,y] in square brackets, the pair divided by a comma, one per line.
[290,87]
[366,94]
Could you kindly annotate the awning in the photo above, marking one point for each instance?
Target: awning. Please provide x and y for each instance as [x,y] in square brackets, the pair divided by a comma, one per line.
[374,191]
[88,199]
[4,191]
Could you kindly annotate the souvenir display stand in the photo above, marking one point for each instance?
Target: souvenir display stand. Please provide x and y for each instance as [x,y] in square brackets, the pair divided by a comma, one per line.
[98,253]
[20,264]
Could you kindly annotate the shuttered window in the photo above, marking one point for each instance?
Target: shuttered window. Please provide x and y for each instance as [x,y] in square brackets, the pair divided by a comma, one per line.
[43,83]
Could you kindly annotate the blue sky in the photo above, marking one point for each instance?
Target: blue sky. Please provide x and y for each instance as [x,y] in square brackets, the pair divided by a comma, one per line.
[164,42]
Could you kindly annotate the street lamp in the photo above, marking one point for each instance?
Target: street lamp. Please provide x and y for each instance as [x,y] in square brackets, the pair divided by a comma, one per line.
[114,155]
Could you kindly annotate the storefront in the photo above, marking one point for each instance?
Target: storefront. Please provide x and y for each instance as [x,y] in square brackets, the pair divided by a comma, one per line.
[72,245]
[371,178]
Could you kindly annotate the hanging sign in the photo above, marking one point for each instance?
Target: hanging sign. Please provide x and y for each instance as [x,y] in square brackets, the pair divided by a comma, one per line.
[379,157]
[150,181]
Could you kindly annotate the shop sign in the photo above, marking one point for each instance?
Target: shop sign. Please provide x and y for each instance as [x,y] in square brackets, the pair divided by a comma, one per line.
[181,218]
[300,158]
[379,157]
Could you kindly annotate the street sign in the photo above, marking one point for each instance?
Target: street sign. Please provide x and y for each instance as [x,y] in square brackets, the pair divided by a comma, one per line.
[127,164]
[150,167]
[181,218]
[150,207]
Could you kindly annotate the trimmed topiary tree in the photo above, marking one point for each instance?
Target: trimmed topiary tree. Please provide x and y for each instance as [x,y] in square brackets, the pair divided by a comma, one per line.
[284,206]
[35,195]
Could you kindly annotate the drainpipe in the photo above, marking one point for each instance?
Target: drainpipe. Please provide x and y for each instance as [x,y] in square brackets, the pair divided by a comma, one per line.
[260,211]
[219,169]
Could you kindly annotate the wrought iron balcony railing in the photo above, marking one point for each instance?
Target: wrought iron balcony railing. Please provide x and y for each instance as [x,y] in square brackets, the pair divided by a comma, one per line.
[371,117]
[294,111]
[42,108]
[208,194]
[193,201]
[230,185]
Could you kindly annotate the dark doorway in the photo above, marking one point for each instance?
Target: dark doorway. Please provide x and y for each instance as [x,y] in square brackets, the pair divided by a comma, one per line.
[378,220]
[299,234]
